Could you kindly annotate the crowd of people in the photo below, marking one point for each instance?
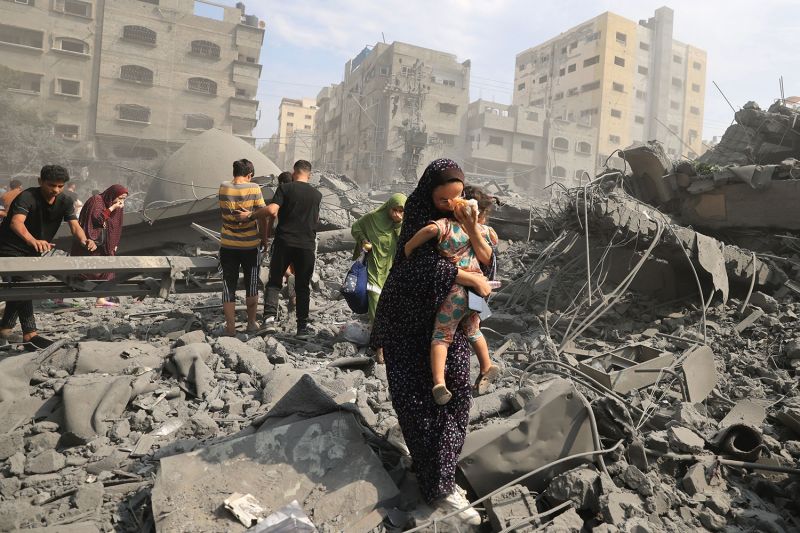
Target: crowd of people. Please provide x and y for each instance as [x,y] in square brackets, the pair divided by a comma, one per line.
[430,255]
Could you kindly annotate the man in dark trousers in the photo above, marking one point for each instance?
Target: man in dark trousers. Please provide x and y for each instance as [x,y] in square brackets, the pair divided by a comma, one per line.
[33,220]
[297,205]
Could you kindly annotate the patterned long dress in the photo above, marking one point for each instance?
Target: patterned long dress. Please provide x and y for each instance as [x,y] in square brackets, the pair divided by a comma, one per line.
[414,290]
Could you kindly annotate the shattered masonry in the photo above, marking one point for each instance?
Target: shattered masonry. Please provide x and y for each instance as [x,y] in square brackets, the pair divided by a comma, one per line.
[648,326]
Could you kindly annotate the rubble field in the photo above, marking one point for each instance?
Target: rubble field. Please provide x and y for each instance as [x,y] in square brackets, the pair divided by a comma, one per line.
[651,356]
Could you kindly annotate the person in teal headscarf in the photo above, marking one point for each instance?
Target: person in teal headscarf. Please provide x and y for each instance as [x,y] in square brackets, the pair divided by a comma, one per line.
[381,229]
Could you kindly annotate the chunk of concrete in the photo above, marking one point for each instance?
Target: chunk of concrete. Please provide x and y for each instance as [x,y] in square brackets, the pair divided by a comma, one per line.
[618,506]
[42,441]
[580,485]
[694,481]
[193,337]
[46,462]
[280,464]
[242,358]
[764,301]
[567,522]
[10,443]
[685,440]
[89,496]
[510,507]
[190,362]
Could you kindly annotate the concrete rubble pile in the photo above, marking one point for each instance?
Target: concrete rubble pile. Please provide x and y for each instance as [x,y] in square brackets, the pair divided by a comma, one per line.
[650,384]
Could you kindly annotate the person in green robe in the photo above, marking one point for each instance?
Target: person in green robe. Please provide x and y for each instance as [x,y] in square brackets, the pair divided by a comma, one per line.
[380,229]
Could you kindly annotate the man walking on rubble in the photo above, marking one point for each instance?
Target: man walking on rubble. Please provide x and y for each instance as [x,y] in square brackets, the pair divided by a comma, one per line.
[297,203]
[33,220]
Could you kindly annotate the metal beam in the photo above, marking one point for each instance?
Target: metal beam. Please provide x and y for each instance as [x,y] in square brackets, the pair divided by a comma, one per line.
[134,276]
[75,266]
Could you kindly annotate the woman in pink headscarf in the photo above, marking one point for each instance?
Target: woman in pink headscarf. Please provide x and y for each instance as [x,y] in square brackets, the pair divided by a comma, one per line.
[101,220]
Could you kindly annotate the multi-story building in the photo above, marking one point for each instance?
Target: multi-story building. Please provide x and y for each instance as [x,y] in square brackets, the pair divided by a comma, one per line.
[398,107]
[628,81]
[295,130]
[135,79]
[505,142]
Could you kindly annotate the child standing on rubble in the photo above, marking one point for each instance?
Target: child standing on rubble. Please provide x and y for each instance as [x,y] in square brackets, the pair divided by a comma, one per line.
[454,243]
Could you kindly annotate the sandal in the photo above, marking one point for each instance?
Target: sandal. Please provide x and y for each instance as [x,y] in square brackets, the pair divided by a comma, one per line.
[486,379]
[441,395]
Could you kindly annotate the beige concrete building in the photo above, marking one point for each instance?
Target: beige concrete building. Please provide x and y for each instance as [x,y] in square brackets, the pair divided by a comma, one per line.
[627,81]
[295,130]
[133,80]
[505,142]
[398,107]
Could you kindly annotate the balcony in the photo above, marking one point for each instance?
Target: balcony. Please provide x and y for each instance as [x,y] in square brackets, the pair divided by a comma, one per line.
[249,37]
[496,122]
[246,74]
[243,108]
[530,127]
[493,152]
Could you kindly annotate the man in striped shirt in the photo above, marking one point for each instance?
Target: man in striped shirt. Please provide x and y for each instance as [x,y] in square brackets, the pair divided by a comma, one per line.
[239,243]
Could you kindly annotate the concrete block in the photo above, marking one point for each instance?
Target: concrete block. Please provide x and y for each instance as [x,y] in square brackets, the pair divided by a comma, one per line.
[243,358]
[193,337]
[46,462]
[712,521]
[276,352]
[567,522]
[8,486]
[694,481]
[579,485]
[619,506]
[764,301]
[42,441]
[684,440]
[10,443]
[490,405]
[89,496]
[510,507]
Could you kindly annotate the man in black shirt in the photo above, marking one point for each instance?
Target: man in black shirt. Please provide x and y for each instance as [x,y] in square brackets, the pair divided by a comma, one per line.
[33,220]
[297,205]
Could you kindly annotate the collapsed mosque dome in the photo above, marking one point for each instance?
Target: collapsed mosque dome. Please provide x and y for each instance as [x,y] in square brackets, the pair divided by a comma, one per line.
[199,166]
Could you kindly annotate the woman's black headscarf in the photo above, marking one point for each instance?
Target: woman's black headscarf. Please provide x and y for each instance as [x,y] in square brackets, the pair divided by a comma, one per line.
[416,287]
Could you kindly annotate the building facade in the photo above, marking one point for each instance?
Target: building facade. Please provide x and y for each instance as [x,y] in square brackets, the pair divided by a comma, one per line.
[624,81]
[295,130]
[505,142]
[398,107]
[133,80]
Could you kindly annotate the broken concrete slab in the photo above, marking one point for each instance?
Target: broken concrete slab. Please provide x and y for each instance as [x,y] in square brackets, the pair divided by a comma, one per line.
[117,357]
[90,401]
[189,361]
[685,440]
[554,425]
[280,464]
[242,358]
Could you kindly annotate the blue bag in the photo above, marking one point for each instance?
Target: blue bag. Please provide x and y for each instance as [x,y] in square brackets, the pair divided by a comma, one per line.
[354,288]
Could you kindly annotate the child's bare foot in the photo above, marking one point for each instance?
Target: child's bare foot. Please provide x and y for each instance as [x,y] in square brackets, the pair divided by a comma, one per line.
[440,394]
[487,378]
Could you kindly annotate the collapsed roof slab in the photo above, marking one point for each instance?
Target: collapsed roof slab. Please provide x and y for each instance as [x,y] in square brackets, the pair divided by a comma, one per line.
[623,213]
[322,462]
[738,205]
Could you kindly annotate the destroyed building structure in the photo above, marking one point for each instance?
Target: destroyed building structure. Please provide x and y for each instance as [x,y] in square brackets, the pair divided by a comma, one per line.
[128,82]
[396,102]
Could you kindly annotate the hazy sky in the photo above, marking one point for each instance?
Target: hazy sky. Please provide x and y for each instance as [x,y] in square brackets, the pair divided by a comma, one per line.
[749,44]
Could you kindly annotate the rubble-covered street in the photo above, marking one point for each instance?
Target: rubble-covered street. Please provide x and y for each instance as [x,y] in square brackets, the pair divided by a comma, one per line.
[651,367]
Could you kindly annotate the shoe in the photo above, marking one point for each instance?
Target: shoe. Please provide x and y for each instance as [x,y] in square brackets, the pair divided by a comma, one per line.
[268,326]
[486,379]
[455,501]
[303,332]
[41,342]
[441,395]
[253,328]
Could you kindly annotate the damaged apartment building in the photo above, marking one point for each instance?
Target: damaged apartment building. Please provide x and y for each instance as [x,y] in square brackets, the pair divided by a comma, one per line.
[396,103]
[577,99]
[128,82]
